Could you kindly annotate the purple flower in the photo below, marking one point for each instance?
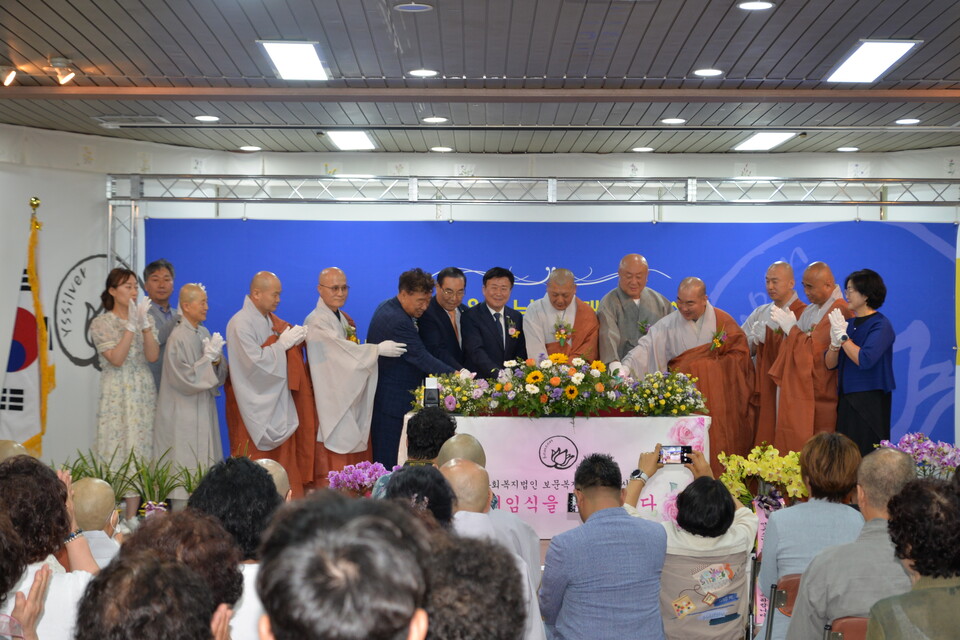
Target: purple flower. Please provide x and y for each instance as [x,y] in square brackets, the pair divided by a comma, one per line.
[477,394]
[482,384]
[556,393]
[511,395]
[450,403]
[586,394]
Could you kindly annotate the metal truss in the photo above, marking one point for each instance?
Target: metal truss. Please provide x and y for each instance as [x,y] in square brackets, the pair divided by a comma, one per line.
[133,188]
[122,227]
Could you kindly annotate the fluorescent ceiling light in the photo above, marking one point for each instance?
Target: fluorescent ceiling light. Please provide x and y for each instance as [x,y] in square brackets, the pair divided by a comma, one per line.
[413,7]
[642,149]
[871,59]
[351,140]
[908,121]
[207,118]
[764,141]
[434,119]
[441,149]
[7,74]
[708,73]
[295,60]
[848,149]
[422,73]
[352,176]
[249,147]
[673,121]
[755,5]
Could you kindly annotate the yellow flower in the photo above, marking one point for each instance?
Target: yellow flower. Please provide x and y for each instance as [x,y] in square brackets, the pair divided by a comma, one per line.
[498,387]
[534,377]
[571,392]
[558,358]
[598,365]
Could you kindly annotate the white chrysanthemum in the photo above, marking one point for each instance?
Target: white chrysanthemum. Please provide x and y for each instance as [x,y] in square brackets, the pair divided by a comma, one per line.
[612,395]
[532,389]
[578,362]
[595,373]
[546,364]
[494,404]
[510,363]
[577,378]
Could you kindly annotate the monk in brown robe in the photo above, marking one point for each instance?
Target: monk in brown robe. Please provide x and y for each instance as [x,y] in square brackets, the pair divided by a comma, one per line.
[765,337]
[808,390]
[560,322]
[707,343]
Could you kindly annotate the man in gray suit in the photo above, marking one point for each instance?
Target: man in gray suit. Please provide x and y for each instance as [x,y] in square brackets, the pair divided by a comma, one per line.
[602,580]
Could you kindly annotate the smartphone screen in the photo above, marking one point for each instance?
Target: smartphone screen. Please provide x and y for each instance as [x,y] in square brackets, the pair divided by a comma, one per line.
[675,454]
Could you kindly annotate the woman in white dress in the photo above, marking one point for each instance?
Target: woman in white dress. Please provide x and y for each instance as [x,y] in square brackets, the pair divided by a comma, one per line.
[126,340]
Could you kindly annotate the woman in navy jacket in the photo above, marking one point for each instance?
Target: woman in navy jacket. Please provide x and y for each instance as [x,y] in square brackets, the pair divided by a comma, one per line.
[862,351]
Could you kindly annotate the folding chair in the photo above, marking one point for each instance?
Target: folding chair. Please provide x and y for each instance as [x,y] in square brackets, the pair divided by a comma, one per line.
[849,628]
[783,595]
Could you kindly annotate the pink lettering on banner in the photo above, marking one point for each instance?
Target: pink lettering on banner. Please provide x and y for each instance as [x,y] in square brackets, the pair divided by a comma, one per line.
[514,503]
[551,503]
[648,502]
[531,503]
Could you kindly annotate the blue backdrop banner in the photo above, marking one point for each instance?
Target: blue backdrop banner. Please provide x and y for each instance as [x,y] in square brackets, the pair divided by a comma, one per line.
[917,262]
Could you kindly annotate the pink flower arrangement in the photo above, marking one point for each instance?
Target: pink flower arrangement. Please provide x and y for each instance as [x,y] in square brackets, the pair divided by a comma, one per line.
[933,458]
[360,477]
[668,511]
[688,431]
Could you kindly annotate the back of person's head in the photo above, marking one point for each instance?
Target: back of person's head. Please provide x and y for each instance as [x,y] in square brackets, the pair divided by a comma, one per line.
[242,496]
[280,478]
[423,487]
[597,470]
[464,446]
[36,501]
[141,597]
[828,464]
[93,503]
[705,508]
[345,569]
[884,473]
[470,483]
[13,561]
[427,430]
[476,592]
[196,540]
[925,527]
[10,448]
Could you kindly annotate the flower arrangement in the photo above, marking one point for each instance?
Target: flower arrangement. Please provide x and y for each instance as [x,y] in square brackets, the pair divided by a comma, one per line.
[512,330]
[934,459]
[643,327]
[765,465]
[460,393]
[351,332]
[563,332]
[718,339]
[358,478]
[673,394]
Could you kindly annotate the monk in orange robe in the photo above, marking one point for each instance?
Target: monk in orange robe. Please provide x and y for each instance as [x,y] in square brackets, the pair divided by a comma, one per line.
[560,322]
[808,390]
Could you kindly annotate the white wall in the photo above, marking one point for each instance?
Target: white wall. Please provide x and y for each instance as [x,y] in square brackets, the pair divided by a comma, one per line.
[68,173]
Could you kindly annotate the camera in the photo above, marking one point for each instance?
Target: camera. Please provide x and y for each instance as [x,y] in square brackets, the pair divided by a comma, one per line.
[675,454]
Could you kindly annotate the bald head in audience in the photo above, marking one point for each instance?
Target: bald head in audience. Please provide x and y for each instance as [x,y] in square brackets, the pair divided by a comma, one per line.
[882,474]
[9,448]
[471,484]
[279,475]
[94,503]
[462,445]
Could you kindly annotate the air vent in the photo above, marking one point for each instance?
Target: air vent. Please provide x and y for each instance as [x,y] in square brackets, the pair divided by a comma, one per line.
[115,122]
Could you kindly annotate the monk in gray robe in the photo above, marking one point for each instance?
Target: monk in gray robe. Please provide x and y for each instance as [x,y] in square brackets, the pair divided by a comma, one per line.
[193,370]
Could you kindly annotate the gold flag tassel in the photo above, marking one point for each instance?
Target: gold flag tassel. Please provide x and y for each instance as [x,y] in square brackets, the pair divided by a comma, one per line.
[48,377]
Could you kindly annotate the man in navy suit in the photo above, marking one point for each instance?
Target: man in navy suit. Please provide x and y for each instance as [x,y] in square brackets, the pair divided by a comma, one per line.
[397,319]
[492,331]
[440,325]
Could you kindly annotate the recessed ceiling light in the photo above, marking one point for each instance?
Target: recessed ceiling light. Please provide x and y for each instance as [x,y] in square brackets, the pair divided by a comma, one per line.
[848,149]
[413,7]
[673,121]
[249,147]
[642,149]
[708,73]
[434,119]
[422,73]
[764,141]
[908,121]
[870,59]
[207,118]
[295,60]
[755,5]
[351,140]
[441,149]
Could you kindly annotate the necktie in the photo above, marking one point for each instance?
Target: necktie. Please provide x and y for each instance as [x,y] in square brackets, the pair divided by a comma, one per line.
[496,316]
[453,321]
[338,313]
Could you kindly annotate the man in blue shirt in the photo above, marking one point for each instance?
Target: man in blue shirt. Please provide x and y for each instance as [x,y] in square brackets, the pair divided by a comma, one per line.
[602,580]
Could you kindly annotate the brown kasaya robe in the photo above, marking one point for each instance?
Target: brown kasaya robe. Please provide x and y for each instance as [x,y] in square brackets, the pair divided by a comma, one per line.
[765,387]
[586,335]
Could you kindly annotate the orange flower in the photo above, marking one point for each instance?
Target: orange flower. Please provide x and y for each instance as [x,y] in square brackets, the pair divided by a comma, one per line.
[571,371]
[599,387]
[543,398]
[555,381]
[529,362]
[508,386]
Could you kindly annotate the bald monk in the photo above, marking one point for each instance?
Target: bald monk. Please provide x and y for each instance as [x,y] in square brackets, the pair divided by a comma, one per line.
[269,397]
[462,445]
[279,476]
[9,448]
[627,312]
[94,506]
[560,322]
[684,342]
[347,372]
[808,390]
[765,337]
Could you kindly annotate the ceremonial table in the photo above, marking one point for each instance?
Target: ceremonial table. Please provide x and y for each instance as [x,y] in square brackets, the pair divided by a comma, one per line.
[531,461]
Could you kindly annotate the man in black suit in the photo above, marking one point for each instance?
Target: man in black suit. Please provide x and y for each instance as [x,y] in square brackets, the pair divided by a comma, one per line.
[492,331]
[440,325]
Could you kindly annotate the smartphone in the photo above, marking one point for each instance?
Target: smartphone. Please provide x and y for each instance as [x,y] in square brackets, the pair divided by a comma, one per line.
[675,454]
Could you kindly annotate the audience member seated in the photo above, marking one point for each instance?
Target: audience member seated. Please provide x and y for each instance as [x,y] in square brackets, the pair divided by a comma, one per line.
[704,586]
[462,445]
[847,580]
[925,528]
[279,475]
[40,508]
[474,593]
[96,507]
[423,489]
[10,448]
[828,466]
[22,621]
[140,597]
[196,540]
[335,568]
[427,430]
[243,497]
[602,580]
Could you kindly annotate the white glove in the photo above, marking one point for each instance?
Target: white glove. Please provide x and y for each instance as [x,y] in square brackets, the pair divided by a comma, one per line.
[132,322]
[838,327]
[785,319]
[614,367]
[292,336]
[465,373]
[143,313]
[391,349]
[213,347]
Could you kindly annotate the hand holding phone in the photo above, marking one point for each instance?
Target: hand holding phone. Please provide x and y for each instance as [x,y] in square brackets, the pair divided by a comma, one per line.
[675,454]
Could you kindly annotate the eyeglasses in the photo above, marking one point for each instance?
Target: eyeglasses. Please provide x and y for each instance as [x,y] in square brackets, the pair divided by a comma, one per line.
[452,293]
[340,288]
